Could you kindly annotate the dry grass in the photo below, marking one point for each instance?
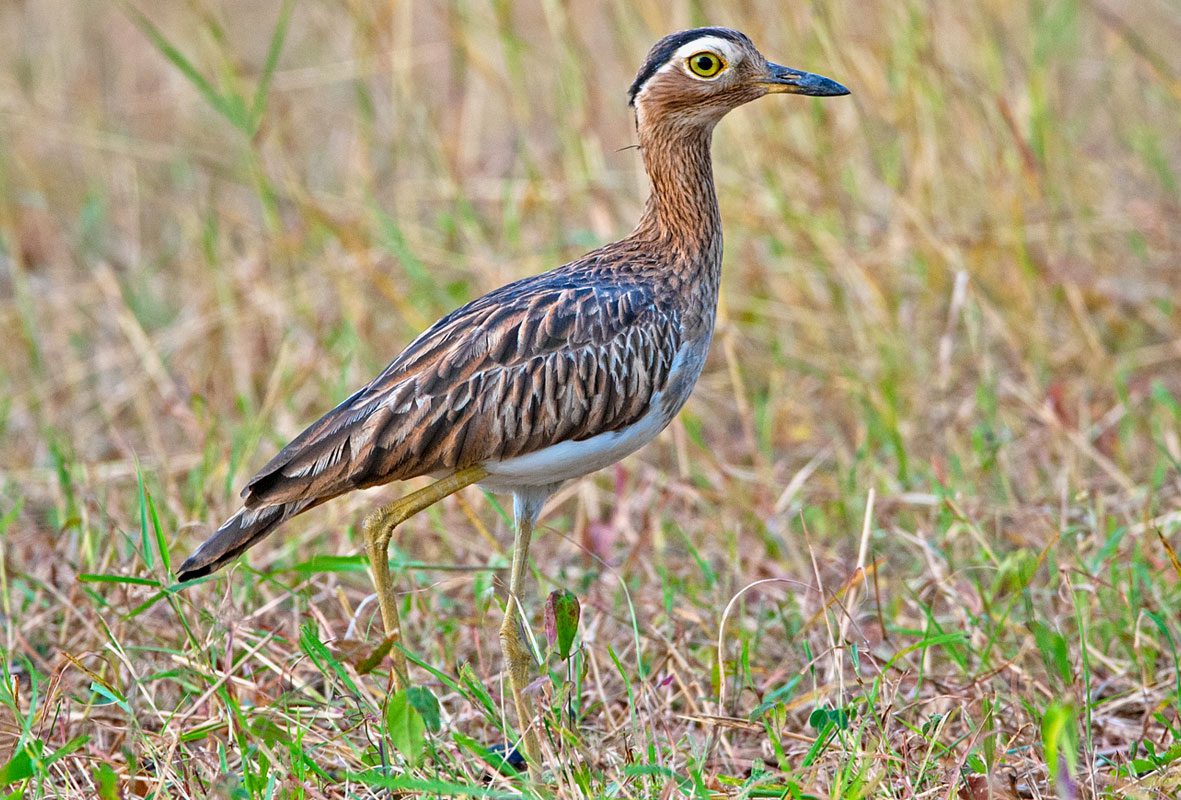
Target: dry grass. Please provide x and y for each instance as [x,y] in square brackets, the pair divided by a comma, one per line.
[949,352]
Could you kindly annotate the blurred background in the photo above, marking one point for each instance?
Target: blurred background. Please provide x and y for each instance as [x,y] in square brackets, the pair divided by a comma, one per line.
[958,287]
[184,252]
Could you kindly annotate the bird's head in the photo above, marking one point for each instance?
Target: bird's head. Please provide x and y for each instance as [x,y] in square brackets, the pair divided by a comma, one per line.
[692,78]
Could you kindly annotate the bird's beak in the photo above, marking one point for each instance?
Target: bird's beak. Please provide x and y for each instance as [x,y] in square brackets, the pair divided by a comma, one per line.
[785,80]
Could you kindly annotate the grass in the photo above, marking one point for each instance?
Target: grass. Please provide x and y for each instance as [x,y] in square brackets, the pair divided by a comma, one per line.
[914,537]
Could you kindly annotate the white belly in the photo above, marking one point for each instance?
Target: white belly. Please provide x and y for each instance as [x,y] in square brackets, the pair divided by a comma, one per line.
[561,462]
[573,459]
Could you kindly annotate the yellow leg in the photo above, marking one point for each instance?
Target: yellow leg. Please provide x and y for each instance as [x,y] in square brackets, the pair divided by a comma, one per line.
[378,529]
[517,653]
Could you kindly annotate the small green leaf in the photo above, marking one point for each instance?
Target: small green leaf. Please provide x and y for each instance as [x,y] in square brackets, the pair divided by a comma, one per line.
[823,718]
[20,766]
[110,694]
[1060,739]
[424,702]
[931,724]
[107,782]
[561,620]
[405,726]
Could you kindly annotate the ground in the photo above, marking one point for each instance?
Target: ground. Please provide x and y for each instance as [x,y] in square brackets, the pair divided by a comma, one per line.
[914,536]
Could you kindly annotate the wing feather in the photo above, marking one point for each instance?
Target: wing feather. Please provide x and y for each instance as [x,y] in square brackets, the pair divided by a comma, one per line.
[548,359]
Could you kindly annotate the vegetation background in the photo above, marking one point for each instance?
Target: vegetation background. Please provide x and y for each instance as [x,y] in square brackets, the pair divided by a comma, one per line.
[925,503]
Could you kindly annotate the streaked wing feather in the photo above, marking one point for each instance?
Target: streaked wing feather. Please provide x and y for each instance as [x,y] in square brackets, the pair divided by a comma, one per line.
[540,361]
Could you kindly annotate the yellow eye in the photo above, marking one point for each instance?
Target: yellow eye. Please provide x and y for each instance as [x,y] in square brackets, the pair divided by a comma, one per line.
[706,64]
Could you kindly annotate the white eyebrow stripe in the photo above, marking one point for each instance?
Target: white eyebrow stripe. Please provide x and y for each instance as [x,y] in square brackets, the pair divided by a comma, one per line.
[723,47]
[727,49]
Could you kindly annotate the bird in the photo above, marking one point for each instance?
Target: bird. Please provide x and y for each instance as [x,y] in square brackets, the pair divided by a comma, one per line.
[548,378]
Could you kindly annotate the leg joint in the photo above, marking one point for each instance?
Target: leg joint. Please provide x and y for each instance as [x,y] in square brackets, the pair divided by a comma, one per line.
[379,527]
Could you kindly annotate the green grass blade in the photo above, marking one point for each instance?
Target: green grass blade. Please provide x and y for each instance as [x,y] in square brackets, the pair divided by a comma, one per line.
[90,577]
[258,107]
[143,518]
[234,112]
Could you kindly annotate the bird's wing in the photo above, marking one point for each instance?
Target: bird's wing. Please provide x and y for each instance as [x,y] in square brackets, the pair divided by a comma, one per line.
[538,362]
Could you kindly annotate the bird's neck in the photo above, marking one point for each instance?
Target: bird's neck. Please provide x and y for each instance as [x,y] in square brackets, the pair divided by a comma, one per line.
[682,223]
[682,211]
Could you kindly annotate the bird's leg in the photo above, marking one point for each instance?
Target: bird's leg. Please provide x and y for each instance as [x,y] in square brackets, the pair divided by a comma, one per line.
[379,530]
[517,653]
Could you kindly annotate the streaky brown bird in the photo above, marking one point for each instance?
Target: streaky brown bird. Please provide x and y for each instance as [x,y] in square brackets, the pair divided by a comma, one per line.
[550,377]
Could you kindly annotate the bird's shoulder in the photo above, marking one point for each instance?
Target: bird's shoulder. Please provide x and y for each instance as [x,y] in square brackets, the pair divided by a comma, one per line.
[578,305]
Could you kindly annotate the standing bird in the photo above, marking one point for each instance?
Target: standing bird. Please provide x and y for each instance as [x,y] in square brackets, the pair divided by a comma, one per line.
[548,378]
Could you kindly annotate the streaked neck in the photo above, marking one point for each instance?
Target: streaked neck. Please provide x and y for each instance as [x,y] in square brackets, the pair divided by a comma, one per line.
[683,207]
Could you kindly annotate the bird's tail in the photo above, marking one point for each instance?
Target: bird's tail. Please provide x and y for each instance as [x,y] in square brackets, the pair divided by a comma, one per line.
[240,532]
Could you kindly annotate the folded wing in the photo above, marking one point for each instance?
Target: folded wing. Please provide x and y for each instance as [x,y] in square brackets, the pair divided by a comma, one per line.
[541,361]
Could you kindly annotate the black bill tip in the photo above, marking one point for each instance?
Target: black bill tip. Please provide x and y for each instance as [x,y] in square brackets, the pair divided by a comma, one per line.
[786,80]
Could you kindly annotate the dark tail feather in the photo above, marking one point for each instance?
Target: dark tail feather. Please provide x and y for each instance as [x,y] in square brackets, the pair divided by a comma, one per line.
[240,532]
